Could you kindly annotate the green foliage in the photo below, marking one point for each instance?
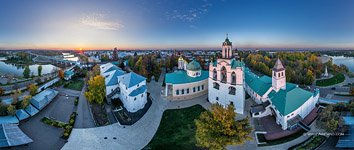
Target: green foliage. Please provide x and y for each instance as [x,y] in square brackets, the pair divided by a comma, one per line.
[66,126]
[11,110]
[218,128]
[26,101]
[329,119]
[40,70]
[96,90]
[311,143]
[15,96]
[3,109]
[26,72]
[338,78]
[32,88]
[76,101]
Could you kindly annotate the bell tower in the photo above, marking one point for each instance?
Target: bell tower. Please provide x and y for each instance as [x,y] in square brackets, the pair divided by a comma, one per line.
[227,48]
[278,76]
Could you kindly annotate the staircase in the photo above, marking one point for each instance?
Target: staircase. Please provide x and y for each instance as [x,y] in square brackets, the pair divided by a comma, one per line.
[304,126]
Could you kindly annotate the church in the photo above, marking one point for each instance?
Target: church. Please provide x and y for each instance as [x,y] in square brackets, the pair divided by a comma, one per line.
[287,102]
[226,79]
[188,81]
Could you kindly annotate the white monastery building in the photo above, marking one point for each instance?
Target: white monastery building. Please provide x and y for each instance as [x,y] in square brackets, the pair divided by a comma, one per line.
[130,88]
[226,79]
[288,103]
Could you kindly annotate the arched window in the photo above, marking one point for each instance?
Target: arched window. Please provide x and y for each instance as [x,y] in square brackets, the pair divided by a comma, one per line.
[177,92]
[233,78]
[216,85]
[182,91]
[223,74]
[215,75]
[232,90]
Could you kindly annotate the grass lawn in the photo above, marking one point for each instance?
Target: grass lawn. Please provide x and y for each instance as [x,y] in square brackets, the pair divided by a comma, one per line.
[338,78]
[177,129]
[74,85]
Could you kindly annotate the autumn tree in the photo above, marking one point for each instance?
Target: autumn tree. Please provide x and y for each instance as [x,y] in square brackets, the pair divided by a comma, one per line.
[1,91]
[328,119]
[26,101]
[61,74]
[40,70]
[32,88]
[218,128]
[96,70]
[351,90]
[16,96]
[11,110]
[26,72]
[96,90]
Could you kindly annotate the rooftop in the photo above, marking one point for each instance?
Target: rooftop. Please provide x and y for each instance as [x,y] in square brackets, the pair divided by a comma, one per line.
[132,79]
[181,77]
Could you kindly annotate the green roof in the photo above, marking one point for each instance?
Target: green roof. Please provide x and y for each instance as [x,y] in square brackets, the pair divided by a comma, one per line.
[287,101]
[236,63]
[194,66]
[256,83]
[227,42]
[181,77]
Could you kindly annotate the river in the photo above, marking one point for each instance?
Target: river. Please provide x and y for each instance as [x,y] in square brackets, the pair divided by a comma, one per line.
[348,61]
[17,70]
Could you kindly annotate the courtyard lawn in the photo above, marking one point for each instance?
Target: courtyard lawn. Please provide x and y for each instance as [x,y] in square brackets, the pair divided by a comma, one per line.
[74,84]
[338,78]
[177,129]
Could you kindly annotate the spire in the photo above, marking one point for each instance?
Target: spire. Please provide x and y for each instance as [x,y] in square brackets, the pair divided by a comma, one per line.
[278,66]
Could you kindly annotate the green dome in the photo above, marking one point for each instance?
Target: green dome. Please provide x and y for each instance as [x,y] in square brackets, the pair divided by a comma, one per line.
[193,66]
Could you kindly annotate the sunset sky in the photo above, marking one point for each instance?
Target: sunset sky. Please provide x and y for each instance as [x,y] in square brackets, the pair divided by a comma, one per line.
[165,24]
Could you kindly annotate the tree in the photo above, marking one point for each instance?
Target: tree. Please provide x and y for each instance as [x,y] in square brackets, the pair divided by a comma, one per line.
[218,128]
[40,70]
[11,110]
[61,74]
[309,77]
[16,96]
[32,88]
[26,101]
[96,90]
[96,70]
[351,90]
[2,91]
[328,119]
[26,72]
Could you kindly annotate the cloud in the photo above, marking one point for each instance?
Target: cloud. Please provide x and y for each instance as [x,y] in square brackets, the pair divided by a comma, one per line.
[189,15]
[100,21]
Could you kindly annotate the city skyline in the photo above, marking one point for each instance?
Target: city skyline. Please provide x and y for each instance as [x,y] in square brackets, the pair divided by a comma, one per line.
[166,24]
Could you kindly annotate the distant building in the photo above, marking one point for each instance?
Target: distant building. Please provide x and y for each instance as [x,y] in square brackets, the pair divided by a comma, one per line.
[187,82]
[326,72]
[288,103]
[130,88]
[226,79]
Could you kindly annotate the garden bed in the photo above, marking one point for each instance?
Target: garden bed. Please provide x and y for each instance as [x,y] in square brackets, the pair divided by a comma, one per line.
[310,144]
[66,126]
[74,85]
[99,114]
[338,78]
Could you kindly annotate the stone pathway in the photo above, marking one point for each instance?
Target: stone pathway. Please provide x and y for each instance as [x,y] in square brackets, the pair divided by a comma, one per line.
[84,118]
[136,136]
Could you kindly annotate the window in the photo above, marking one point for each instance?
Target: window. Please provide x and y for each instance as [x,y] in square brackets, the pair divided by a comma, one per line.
[216,85]
[278,74]
[282,74]
[198,88]
[232,90]
[142,95]
[233,78]
[193,89]
[217,98]
[134,98]
[182,91]
[202,87]
[177,92]
[137,85]
[223,74]
[215,76]
[274,74]
[188,91]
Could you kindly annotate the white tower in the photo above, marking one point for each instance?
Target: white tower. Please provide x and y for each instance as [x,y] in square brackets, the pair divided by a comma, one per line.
[181,63]
[326,72]
[227,48]
[278,76]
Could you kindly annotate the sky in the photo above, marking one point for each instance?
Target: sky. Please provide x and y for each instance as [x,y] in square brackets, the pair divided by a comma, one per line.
[175,24]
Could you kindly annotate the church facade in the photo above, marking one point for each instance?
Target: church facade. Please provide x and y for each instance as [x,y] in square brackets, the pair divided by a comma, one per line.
[226,79]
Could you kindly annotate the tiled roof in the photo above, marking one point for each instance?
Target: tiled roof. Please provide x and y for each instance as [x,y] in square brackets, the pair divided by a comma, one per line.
[132,79]
[112,79]
[260,85]
[138,91]
[181,77]
[286,101]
